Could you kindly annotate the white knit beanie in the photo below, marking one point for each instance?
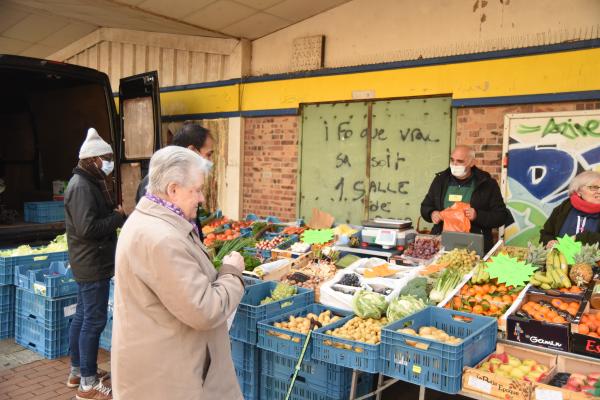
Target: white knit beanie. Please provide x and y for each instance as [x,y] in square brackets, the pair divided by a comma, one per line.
[94,145]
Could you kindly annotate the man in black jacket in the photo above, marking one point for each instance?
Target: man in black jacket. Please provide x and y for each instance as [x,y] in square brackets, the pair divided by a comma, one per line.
[464,182]
[91,218]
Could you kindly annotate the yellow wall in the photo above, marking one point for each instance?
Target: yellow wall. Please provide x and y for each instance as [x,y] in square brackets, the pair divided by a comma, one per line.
[567,71]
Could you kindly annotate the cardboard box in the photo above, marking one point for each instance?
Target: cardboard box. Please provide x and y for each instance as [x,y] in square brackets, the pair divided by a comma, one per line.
[540,333]
[491,384]
[584,344]
[544,391]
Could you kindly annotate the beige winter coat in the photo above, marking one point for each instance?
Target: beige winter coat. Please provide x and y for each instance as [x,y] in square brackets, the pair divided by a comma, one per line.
[170,339]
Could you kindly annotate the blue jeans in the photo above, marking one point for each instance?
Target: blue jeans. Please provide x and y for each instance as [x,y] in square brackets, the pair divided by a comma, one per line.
[87,325]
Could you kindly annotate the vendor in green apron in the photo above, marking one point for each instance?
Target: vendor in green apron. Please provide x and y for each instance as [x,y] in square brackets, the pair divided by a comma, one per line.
[466,183]
[196,138]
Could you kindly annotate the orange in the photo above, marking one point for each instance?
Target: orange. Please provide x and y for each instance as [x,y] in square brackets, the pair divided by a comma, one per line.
[507,299]
[556,302]
[583,329]
[559,320]
[593,334]
[563,307]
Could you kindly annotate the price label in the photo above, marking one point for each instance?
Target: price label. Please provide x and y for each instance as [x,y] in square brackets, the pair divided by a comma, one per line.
[480,384]
[548,394]
[416,369]
[70,310]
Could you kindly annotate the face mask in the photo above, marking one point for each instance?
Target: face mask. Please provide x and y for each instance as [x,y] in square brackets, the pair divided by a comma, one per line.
[458,170]
[209,164]
[107,167]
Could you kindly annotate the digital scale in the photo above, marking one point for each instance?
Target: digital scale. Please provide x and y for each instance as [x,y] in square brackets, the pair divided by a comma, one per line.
[388,233]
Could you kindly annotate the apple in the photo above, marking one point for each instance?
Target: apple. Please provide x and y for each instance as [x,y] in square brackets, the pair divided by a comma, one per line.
[571,388]
[517,373]
[495,360]
[485,366]
[594,375]
[535,376]
[514,361]
[500,356]
[540,367]
[525,368]
[529,362]
[505,368]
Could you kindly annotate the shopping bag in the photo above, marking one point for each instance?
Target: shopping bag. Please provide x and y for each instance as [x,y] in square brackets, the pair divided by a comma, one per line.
[455,219]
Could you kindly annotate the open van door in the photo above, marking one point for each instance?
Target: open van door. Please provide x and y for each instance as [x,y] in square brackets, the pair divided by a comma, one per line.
[140,133]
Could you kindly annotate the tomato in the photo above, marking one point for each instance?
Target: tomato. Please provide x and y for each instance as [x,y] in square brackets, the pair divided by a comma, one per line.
[211,236]
[228,232]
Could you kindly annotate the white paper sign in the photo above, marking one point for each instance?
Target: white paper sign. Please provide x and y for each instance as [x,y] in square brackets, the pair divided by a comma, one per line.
[70,310]
[230,320]
[480,384]
[548,394]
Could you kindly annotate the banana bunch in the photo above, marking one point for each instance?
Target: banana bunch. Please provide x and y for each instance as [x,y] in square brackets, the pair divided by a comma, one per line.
[555,276]
[480,275]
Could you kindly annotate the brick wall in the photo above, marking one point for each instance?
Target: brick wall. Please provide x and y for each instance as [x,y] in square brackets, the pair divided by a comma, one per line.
[483,127]
[270,166]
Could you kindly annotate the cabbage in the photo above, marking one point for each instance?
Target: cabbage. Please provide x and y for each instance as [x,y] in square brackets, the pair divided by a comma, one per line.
[367,304]
[404,306]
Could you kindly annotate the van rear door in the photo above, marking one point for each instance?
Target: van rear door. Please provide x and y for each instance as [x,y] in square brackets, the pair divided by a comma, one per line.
[140,133]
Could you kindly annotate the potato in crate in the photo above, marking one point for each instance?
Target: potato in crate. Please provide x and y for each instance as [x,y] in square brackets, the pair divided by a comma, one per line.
[351,342]
[432,346]
[286,333]
[265,300]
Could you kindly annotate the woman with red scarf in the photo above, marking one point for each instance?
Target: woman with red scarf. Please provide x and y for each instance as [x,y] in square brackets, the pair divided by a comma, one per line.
[577,216]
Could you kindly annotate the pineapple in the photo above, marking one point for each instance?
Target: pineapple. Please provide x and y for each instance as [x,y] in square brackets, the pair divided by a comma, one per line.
[581,272]
[536,254]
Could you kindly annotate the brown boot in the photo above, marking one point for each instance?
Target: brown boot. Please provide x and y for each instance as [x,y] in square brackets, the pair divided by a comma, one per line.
[97,392]
[74,380]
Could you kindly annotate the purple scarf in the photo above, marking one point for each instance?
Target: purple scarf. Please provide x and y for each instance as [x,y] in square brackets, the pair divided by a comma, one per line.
[170,206]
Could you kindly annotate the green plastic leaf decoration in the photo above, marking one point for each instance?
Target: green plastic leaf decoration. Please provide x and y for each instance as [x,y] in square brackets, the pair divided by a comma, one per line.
[568,247]
[317,236]
[510,271]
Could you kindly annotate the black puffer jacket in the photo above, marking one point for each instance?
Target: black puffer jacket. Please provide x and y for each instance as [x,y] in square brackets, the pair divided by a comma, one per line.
[486,200]
[91,229]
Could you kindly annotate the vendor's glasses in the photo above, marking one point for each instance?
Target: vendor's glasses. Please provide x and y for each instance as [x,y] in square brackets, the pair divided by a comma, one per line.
[593,188]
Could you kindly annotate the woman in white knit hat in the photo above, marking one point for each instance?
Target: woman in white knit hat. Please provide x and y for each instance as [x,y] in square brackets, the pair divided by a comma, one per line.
[91,218]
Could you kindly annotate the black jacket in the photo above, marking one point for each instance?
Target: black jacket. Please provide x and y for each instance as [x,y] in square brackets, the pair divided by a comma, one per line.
[486,200]
[555,221]
[91,229]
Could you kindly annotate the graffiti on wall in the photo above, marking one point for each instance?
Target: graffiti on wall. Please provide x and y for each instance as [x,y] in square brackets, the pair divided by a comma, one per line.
[545,152]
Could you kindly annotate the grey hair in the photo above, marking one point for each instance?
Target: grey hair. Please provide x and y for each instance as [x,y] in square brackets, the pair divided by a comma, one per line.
[173,164]
[470,150]
[583,179]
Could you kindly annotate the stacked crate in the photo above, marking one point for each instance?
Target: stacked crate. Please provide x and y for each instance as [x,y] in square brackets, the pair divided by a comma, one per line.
[45,303]
[7,285]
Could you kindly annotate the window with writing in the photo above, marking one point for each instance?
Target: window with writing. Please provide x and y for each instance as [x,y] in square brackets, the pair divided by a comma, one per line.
[364,160]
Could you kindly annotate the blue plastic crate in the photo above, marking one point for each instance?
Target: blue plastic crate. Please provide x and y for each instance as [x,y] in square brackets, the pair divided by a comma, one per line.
[249,382]
[348,353]
[244,355]
[51,343]
[272,388]
[250,311]
[8,264]
[111,296]
[292,347]
[54,281]
[329,379]
[7,322]
[48,312]
[437,365]
[7,296]
[106,335]
[249,281]
[44,211]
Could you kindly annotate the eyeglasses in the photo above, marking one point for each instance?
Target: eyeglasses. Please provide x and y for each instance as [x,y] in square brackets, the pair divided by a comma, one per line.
[593,188]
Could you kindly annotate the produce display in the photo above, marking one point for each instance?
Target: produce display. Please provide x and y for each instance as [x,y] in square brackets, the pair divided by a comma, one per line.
[236,245]
[557,311]
[404,306]
[293,230]
[311,275]
[281,291]
[588,384]
[346,261]
[431,333]
[366,330]
[302,324]
[462,260]
[555,276]
[486,299]
[417,287]
[445,284]
[382,270]
[344,230]
[213,225]
[423,248]
[350,280]
[59,243]
[581,272]
[509,366]
[589,325]
[366,304]
[270,244]
[300,247]
[520,253]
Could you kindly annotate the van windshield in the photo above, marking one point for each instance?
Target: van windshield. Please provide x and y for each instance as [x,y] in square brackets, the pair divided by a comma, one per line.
[45,118]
